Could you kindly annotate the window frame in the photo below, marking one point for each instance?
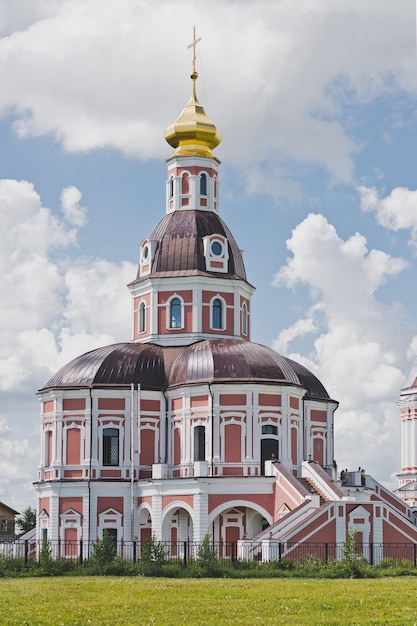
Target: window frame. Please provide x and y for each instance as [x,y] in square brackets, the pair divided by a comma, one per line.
[203,184]
[109,448]
[222,307]
[170,304]
[142,317]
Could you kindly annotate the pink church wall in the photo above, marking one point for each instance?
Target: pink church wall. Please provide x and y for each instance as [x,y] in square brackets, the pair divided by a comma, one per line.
[73,446]
[150,405]
[194,170]
[294,403]
[111,404]
[109,502]
[318,450]
[198,401]
[73,404]
[49,453]
[267,399]
[318,416]
[315,531]
[44,504]
[232,445]
[163,298]
[264,501]
[232,399]
[49,406]
[177,446]
[167,500]
[147,446]
[294,446]
[68,502]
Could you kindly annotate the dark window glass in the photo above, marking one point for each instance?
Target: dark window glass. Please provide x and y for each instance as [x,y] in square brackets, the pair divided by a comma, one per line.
[111,446]
[269,429]
[171,187]
[203,185]
[142,318]
[199,443]
[244,320]
[217,313]
[216,248]
[175,313]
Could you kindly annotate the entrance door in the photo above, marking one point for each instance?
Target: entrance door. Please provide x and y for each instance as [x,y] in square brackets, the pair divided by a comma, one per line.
[112,534]
[269,450]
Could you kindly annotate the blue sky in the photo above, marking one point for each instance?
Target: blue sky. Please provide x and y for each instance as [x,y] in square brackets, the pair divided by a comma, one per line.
[316,102]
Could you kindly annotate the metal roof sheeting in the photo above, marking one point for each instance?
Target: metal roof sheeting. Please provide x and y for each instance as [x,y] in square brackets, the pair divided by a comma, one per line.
[180,245]
[157,367]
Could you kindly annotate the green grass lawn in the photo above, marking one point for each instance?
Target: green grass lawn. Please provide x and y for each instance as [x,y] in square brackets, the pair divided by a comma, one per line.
[194,602]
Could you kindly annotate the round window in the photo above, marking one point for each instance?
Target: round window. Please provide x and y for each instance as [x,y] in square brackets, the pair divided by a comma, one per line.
[216,248]
[145,252]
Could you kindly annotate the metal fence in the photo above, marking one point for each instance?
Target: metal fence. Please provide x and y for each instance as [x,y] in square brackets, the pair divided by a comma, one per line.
[186,551]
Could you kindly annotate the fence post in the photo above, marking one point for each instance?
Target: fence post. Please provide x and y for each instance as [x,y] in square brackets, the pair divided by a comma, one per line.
[80,554]
[185,554]
[232,552]
[279,551]
[26,551]
[371,553]
[134,552]
[415,553]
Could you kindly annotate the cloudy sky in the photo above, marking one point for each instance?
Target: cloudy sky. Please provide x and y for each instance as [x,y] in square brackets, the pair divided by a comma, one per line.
[316,101]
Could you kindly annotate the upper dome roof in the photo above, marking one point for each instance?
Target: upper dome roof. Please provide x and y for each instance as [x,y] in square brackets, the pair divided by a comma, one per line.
[180,248]
[193,132]
[156,367]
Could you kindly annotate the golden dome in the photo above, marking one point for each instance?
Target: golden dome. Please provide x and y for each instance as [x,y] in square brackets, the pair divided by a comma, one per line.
[193,132]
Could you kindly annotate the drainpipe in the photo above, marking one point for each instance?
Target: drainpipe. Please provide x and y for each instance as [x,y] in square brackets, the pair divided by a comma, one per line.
[212,429]
[89,471]
[132,453]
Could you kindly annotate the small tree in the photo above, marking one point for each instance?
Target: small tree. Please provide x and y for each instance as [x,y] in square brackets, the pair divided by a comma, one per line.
[104,551]
[27,521]
[206,553]
[153,552]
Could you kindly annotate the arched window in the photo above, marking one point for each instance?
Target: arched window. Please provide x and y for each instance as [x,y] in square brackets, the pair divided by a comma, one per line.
[171,187]
[244,319]
[217,314]
[199,443]
[203,185]
[175,313]
[110,446]
[142,317]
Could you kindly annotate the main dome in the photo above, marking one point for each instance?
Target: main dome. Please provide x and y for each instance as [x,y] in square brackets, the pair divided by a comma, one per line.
[209,361]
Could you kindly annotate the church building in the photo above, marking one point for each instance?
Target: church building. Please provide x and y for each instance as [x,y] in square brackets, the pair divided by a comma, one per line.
[191,428]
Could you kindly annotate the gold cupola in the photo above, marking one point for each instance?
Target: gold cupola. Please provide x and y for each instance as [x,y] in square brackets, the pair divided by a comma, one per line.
[193,132]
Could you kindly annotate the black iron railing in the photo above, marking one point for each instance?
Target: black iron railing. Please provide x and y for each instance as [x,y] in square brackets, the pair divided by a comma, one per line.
[186,551]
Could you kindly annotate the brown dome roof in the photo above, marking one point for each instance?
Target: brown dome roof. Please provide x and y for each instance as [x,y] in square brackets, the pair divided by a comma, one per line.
[229,360]
[156,367]
[180,245]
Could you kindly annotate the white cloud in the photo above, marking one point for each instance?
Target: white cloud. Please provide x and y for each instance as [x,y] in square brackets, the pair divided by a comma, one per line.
[360,350]
[96,74]
[53,307]
[397,211]
[70,201]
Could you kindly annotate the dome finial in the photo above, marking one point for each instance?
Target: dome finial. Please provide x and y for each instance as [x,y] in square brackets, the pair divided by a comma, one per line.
[193,132]
[193,45]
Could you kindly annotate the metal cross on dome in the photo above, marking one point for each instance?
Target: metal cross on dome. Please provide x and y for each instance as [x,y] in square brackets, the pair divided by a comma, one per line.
[193,45]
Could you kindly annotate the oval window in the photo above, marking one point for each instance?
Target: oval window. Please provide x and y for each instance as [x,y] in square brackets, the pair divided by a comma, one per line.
[216,248]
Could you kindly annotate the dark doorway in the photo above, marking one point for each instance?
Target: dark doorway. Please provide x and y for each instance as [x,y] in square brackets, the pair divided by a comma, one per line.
[111,533]
[269,450]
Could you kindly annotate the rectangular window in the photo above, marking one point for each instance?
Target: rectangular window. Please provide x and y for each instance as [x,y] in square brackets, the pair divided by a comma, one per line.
[111,446]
